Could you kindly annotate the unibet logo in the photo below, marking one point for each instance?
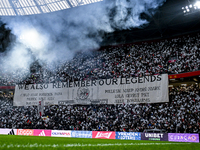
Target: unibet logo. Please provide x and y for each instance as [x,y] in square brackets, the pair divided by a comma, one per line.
[42,134]
[154,135]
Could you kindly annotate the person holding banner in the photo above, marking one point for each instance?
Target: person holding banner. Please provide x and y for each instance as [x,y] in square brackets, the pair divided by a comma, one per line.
[41,108]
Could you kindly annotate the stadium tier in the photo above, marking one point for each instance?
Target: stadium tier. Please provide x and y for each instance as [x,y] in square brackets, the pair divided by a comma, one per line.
[172,56]
[180,114]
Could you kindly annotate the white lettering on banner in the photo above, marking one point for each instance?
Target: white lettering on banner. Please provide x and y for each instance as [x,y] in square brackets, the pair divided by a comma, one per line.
[103,135]
[185,137]
[128,133]
[127,138]
[154,135]
[24,132]
[42,134]
[147,89]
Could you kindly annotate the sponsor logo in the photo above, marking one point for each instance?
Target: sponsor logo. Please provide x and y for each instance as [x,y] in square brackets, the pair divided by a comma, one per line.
[183,137]
[11,132]
[154,135]
[103,135]
[74,134]
[186,138]
[42,133]
[24,132]
[61,133]
[193,138]
[79,134]
[82,134]
[8,131]
[128,135]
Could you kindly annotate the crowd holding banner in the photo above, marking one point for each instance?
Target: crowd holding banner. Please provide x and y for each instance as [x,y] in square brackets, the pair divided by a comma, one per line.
[180,115]
[175,137]
[133,64]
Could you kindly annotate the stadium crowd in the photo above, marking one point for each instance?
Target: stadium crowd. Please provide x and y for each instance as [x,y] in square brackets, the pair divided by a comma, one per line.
[181,114]
[170,56]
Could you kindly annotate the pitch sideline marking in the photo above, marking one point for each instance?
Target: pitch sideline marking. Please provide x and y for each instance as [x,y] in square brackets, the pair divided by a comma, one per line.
[81,145]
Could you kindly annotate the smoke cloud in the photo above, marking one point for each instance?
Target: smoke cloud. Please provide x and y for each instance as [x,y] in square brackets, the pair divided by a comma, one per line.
[58,36]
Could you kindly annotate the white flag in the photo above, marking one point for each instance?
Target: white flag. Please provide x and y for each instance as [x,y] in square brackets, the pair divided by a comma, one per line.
[41,108]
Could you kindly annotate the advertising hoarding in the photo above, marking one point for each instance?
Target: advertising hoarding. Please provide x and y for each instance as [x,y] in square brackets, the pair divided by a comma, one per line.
[41,132]
[154,136]
[61,133]
[103,135]
[183,137]
[128,135]
[81,134]
[8,131]
[25,132]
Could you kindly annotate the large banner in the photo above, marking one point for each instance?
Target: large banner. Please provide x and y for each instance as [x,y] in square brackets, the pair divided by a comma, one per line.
[147,89]
[183,137]
[128,135]
[154,136]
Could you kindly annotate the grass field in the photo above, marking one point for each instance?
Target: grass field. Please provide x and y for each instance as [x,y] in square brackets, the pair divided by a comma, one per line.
[33,142]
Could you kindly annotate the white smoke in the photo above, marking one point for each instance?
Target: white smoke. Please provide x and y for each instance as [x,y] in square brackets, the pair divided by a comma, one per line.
[57,36]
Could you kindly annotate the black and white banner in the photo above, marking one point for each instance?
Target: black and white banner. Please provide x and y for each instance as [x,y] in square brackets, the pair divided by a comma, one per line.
[147,89]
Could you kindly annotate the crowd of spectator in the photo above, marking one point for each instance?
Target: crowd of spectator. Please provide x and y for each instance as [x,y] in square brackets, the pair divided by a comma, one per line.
[170,56]
[181,114]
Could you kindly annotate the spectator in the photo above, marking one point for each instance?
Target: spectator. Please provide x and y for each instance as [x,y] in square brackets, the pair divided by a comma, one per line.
[180,115]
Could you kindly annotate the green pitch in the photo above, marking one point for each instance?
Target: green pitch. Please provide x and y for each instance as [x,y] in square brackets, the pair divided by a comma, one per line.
[48,143]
